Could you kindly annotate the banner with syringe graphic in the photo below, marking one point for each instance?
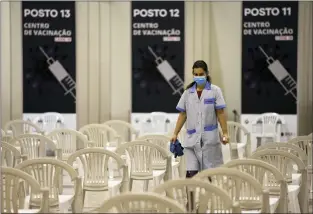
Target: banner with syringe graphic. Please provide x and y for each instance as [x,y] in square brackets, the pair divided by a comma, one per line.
[269,67]
[269,57]
[157,55]
[49,57]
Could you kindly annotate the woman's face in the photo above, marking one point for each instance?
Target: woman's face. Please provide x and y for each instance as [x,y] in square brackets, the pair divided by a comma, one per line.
[198,72]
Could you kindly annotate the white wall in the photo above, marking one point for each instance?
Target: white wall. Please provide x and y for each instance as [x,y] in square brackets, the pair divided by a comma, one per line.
[11,61]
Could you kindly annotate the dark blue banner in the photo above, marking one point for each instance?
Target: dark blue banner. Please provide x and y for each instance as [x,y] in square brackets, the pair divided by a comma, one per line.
[49,62]
[157,55]
[269,57]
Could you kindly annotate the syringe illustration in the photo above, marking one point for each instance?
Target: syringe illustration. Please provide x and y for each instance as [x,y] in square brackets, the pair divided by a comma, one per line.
[63,77]
[282,75]
[169,74]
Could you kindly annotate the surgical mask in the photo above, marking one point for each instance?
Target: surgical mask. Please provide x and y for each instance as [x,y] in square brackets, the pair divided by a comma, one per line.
[200,80]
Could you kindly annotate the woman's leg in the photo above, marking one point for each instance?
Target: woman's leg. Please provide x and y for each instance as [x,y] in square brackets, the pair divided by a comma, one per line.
[193,166]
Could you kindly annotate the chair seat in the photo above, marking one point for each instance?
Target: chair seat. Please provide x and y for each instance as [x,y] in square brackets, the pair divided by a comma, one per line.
[65,202]
[28,211]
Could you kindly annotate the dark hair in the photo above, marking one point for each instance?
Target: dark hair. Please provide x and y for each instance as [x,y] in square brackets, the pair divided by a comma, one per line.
[204,66]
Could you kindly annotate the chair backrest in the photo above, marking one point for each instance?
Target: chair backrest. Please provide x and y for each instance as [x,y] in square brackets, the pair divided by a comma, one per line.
[305,143]
[140,203]
[160,121]
[239,134]
[240,186]
[286,147]
[95,165]
[205,196]
[50,120]
[269,122]
[125,130]
[281,160]
[234,131]
[68,140]
[140,155]
[19,127]
[100,134]
[33,145]
[161,140]
[10,156]
[12,188]
[46,172]
[267,175]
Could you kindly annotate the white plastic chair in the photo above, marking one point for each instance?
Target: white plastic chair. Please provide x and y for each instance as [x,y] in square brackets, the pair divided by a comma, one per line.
[281,160]
[269,126]
[47,172]
[125,130]
[10,156]
[69,141]
[207,197]
[140,157]
[11,201]
[101,135]
[19,127]
[95,170]
[269,177]
[158,161]
[49,121]
[293,177]
[35,146]
[160,121]
[140,203]
[305,143]
[239,148]
[240,186]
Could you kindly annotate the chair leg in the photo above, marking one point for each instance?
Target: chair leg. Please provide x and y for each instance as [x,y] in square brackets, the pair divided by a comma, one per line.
[146,185]
[84,195]
[131,184]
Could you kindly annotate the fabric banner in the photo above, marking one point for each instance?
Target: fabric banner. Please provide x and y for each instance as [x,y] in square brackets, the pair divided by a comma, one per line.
[49,62]
[269,57]
[157,55]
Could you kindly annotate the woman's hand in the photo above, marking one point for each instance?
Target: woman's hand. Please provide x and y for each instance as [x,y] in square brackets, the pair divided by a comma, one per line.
[174,138]
[225,139]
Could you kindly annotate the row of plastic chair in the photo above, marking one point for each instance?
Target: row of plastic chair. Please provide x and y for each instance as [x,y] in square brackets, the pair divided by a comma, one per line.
[238,185]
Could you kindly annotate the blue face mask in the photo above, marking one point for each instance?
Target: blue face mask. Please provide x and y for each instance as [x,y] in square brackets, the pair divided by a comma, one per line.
[200,80]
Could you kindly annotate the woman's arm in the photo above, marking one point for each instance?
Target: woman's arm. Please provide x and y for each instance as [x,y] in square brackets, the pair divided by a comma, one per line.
[180,122]
[222,119]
